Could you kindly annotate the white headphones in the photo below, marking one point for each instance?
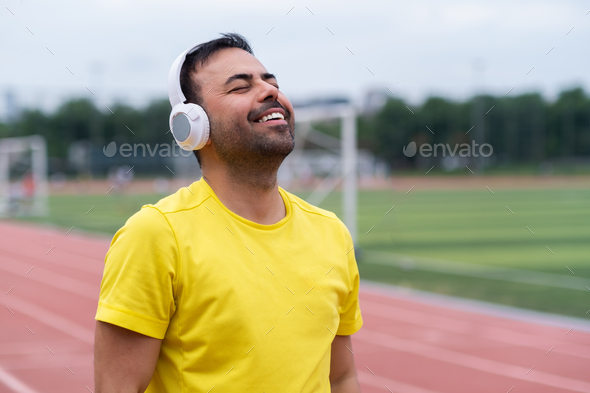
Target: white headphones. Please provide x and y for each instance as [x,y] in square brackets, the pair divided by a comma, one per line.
[188,122]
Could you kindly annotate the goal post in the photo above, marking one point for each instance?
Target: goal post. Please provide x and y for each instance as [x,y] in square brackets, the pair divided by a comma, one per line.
[23,176]
[348,156]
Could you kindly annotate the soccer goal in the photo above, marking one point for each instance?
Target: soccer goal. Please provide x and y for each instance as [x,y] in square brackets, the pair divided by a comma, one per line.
[337,164]
[23,176]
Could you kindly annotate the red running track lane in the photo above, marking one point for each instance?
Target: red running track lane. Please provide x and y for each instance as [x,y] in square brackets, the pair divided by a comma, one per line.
[406,345]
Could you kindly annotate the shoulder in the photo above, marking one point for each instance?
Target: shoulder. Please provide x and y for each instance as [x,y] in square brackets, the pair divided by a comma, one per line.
[145,218]
[147,238]
[307,207]
[328,218]
[153,221]
[146,226]
[185,198]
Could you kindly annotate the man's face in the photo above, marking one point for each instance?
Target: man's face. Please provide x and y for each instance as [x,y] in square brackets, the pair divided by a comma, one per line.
[237,91]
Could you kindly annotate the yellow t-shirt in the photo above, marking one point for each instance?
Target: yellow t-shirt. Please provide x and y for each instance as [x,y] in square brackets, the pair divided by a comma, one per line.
[240,306]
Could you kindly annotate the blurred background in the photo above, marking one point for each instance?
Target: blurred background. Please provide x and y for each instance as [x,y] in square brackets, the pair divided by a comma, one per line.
[80,80]
[452,138]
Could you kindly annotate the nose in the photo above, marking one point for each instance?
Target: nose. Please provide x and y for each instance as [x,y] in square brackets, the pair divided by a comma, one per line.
[269,92]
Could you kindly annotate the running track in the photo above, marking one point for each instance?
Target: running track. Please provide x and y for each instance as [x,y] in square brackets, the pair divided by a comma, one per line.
[406,344]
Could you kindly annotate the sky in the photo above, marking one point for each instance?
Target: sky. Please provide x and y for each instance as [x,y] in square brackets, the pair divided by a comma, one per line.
[122,50]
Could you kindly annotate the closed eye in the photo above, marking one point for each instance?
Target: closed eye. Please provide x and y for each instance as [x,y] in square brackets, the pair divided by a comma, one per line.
[245,87]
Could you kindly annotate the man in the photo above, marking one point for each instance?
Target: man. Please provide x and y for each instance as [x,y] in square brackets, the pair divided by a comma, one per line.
[231,283]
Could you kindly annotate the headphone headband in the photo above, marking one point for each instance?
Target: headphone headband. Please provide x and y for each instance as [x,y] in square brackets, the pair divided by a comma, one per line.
[174,90]
[188,122]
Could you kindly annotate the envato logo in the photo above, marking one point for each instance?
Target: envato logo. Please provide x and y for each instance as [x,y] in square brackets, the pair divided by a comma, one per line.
[465,150]
[140,149]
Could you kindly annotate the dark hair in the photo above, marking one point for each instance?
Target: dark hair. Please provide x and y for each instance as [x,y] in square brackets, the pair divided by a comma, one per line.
[191,88]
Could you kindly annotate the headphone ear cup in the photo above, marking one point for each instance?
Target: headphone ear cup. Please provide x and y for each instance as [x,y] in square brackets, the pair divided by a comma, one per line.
[181,127]
[189,124]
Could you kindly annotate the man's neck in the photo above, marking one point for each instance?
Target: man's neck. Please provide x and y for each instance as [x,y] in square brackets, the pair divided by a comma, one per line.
[253,197]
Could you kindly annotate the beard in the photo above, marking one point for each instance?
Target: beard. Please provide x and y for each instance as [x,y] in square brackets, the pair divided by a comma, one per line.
[253,154]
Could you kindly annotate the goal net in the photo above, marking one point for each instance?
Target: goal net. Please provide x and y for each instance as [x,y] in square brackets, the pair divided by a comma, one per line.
[336,163]
[23,176]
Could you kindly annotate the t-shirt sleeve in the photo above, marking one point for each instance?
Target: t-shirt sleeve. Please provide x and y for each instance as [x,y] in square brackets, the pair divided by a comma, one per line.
[138,287]
[350,311]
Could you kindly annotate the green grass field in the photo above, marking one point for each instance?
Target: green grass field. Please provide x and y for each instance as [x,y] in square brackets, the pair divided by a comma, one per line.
[409,245]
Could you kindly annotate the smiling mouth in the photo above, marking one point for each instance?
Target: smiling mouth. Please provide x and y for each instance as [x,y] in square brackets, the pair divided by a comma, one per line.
[273,121]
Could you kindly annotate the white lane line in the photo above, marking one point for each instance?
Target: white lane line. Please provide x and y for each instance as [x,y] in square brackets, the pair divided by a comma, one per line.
[82,359]
[55,280]
[470,361]
[474,307]
[467,327]
[476,270]
[25,252]
[14,384]
[46,238]
[392,385]
[53,320]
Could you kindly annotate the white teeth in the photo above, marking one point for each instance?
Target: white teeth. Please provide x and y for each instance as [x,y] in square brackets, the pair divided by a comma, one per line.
[274,115]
